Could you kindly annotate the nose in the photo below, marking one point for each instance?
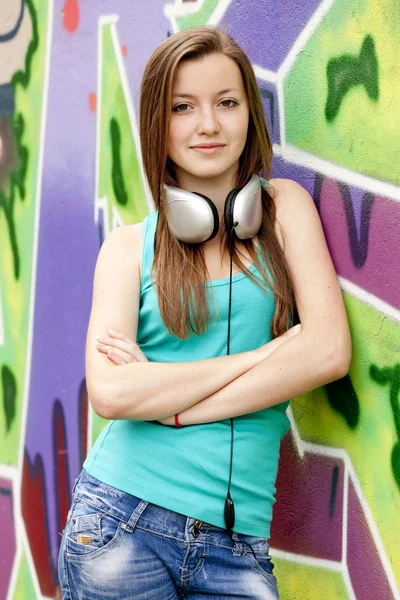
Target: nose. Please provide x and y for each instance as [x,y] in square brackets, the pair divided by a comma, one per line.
[208,122]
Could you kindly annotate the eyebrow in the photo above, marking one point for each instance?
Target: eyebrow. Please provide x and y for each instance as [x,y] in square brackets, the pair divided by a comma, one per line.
[217,94]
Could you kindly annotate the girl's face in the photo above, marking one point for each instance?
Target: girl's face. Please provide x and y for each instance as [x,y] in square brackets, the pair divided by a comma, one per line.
[209,120]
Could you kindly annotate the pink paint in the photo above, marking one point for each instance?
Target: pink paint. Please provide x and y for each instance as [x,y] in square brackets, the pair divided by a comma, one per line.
[379,274]
[7,536]
[70,14]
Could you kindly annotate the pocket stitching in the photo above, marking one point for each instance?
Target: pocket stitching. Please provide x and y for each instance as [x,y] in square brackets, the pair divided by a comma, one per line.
[98,508]
[259,567]
[97,552]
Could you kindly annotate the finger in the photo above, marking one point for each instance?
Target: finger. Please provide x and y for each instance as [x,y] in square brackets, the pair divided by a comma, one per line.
[120,336]
[119,340]
[115,343]
[116,358]
[127,358]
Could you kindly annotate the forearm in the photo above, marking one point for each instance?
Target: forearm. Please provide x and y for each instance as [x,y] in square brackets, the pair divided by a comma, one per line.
[153,390]
[297,366]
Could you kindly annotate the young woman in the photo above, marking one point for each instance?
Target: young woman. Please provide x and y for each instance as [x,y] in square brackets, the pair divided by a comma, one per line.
[175,498]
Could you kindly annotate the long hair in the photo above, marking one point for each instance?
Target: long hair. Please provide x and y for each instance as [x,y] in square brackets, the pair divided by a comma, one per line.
[179,268]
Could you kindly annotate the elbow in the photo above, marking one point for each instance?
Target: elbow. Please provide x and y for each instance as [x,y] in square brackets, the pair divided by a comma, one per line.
[100,402]
[106,403]
[339,359]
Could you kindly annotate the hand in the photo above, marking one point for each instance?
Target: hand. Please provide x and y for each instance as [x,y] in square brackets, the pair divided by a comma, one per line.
[271,346]
[120,349]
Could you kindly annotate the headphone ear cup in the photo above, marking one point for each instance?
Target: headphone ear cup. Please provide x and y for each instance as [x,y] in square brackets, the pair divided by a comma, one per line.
[228,210]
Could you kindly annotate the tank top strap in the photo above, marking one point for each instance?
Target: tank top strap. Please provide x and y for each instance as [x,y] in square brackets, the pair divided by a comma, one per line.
[149,226]
[264,183]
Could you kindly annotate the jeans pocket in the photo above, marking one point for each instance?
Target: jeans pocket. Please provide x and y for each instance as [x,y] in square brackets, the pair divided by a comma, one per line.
[261,559]
[90,531]
[263,564]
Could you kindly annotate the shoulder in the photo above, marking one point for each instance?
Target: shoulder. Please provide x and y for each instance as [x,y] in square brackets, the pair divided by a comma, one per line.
[294,204]
[122,246]
[288,193]
[123,237]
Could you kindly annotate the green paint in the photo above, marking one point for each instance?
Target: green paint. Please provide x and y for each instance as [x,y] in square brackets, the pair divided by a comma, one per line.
[372,445]
[348,71]
[17,177]
[343,399]
[18,205]
[116,170]
[9,392]
[200,17]
[299,581]
[119,157]
[24,589]
[363,135]
[98,425]
[120,176]
[391,376]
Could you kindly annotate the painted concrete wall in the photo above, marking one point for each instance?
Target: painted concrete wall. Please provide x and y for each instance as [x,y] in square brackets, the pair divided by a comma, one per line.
[70,171]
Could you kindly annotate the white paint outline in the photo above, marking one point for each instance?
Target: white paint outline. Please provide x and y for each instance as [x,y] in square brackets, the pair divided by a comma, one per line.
[10,473]
[303,447]
[184,9]
[181,9]
[101,204]
[367,298]
[21,538]
[295,156]
[131,112]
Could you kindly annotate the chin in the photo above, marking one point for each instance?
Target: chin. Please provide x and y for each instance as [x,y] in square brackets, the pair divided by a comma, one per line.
[209,170]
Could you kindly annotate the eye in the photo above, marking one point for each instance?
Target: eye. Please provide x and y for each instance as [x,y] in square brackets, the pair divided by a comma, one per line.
[180,108]
[234,103]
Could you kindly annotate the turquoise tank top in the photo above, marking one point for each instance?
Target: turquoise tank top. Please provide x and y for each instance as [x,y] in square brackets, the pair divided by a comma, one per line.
[187,469]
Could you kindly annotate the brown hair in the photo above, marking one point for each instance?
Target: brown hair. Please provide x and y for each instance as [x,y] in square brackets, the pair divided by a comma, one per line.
[180,267]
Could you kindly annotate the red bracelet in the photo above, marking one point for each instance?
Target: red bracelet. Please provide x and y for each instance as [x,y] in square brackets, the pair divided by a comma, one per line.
[176,421]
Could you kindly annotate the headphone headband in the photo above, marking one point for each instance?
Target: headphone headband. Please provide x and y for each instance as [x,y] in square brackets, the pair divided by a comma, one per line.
[193,217]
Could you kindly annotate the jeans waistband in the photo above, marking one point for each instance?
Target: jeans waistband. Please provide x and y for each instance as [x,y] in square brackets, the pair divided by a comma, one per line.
[134,511]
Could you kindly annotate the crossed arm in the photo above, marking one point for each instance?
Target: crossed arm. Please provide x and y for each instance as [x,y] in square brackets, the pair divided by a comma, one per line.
[224,387]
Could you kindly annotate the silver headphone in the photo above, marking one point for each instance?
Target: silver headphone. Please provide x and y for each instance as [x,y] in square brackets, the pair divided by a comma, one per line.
[193,217]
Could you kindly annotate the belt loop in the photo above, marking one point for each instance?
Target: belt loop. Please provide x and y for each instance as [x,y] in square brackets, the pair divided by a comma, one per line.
[131,524]
[75,484]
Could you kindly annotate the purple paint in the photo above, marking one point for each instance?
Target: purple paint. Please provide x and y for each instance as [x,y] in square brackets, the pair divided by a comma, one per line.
[379,273]
[269,99]
[69,241]
[357,199]
[366,572]
[267,30]
[308,514]
[68,244]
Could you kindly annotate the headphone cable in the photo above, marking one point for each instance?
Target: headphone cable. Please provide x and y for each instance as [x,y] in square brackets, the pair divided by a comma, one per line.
[229,509]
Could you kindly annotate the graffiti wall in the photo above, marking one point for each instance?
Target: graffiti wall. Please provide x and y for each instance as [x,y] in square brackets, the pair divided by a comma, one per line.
[70,171]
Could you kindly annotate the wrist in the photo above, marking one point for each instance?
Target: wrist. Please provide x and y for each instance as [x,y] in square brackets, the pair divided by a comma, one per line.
[177,419]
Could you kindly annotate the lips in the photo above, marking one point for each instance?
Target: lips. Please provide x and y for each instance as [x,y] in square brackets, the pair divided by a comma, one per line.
[208,148]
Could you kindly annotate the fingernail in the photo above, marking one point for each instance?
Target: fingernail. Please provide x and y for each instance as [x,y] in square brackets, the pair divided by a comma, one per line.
[100,339]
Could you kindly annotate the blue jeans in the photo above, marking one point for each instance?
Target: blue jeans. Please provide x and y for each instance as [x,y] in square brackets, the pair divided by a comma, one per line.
[117,546]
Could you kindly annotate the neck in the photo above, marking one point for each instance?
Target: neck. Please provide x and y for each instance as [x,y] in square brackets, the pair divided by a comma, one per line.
[215,188]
